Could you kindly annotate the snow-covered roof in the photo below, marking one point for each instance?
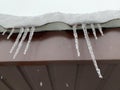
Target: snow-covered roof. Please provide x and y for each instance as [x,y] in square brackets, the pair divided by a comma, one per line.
[24,25]
[9,21]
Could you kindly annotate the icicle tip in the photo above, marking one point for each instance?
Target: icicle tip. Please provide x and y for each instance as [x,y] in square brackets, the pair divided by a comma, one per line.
[99,73]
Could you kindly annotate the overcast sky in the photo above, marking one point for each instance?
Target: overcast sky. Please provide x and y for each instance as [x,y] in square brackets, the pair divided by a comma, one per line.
[38,7]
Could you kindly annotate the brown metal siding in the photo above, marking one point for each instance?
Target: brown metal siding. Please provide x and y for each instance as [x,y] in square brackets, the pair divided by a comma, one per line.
[59,46]
[65,76]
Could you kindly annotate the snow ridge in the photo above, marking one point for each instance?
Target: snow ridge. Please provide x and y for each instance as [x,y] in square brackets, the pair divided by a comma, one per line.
[9,21]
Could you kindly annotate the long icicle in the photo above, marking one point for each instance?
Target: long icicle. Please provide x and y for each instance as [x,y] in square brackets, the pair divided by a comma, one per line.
[30,38]
[93,30]
[76,39]
[17,39]
[91,50]
[3,33]
[11,33]
[21,42]
[100,29]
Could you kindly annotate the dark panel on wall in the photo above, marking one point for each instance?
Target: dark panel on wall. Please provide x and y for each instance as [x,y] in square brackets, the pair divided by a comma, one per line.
[113,78]
[88,79]
[63,76]
[3,86]
[37,77]
[13,78]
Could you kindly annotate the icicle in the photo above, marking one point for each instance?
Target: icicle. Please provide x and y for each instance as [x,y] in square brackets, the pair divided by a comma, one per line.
[93,30]
[91,50]
[11,33]
[3,33]
[17,39]
[76,39]
[29,40]
[21,42]
[100,29]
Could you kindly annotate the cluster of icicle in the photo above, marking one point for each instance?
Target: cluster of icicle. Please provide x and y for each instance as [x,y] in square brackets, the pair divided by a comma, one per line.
[24,31]
[20,39]
[88,43]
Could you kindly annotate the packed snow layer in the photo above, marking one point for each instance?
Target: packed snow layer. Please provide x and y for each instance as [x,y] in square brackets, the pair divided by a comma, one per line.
[9,21]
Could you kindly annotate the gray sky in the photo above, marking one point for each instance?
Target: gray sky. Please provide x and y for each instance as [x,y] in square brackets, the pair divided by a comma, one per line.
[38,7]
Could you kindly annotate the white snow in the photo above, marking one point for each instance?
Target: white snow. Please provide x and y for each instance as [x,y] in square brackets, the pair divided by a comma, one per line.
[9,21]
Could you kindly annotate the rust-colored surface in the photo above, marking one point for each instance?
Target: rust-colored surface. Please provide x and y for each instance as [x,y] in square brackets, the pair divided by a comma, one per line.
[59,45]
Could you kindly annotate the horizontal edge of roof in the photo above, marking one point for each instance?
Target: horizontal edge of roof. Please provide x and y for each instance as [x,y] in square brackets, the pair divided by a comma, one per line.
[59,26]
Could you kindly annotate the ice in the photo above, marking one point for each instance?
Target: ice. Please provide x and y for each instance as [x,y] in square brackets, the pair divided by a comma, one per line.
[76,39]
[21,42]
[11,33]
[30,38]
[41,83]
[67,85]
[91,50]
[1,77]
[100,29]
[17,39]
[3,33]
[93,30]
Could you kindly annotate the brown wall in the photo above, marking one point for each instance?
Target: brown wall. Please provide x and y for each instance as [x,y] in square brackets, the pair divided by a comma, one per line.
[55,46]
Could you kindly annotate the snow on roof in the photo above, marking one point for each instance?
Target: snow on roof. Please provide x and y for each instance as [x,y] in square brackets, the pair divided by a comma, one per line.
[9,21]
[28,24]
